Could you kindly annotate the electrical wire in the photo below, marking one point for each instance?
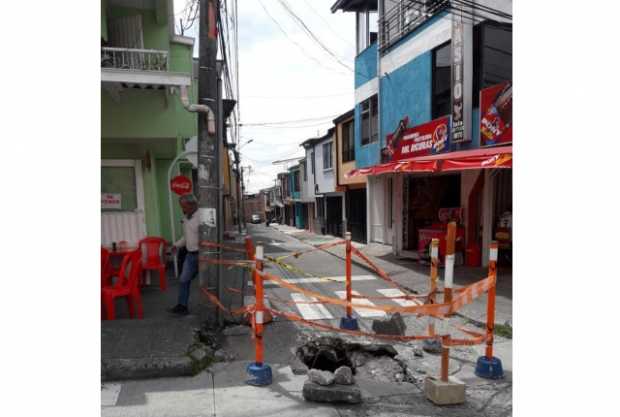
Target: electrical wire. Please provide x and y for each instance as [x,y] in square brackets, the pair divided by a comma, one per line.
[311,34]
[301,48]
[328,25]
[289,121]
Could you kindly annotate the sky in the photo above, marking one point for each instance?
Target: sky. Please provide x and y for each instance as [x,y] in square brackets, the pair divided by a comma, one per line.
[288,77]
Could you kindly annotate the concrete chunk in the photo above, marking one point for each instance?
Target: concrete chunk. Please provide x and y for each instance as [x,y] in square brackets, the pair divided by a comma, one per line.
[343,376]
[444,393]
[350,394]
[321,377]
[394,325]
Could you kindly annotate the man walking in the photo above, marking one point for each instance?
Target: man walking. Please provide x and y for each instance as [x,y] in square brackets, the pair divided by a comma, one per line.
[189,241]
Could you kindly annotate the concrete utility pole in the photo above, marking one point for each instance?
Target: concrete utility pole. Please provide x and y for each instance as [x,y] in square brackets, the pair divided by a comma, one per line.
[208,150]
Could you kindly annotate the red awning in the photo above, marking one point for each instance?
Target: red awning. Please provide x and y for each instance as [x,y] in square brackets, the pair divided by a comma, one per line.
[499,157]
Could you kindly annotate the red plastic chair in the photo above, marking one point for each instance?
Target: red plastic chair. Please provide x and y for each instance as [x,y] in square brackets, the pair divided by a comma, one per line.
[126,286]
[152,250]
[107,272]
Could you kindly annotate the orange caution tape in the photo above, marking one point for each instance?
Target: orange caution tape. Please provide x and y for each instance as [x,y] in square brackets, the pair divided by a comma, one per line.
[314,249]
[209,244]
[382,274]
[478,337]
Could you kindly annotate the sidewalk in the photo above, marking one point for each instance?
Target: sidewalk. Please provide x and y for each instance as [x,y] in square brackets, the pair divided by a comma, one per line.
[412,274]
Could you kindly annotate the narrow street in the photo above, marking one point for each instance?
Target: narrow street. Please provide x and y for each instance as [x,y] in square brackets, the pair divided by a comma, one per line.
[221,389]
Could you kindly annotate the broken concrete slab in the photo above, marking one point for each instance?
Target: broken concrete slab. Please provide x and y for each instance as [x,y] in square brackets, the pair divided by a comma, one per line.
[350,394]
[447,392]
[393,325]
[343,376]
[239,330]
[383,368]
[324,378]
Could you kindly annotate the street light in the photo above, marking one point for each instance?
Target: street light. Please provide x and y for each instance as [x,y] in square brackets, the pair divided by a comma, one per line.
[246,143]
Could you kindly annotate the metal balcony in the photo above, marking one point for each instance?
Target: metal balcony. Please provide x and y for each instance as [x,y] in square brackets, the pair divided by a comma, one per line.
[405,17]
[134,59]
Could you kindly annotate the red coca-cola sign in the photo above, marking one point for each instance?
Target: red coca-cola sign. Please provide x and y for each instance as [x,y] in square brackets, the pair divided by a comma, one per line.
[181,185]
[496,115]
[426,139]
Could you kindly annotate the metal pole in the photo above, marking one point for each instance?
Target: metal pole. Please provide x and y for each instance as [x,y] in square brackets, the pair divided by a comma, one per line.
[208,148]
[445,358]
[491,300]
[433,286]
[449,273]
[220,197]
[259,313]
[348,272]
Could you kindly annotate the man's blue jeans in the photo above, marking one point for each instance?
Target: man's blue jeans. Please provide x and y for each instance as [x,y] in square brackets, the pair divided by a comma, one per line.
[188,273]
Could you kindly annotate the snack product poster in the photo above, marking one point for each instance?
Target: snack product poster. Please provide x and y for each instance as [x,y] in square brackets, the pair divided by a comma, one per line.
[496,115]
[426,139]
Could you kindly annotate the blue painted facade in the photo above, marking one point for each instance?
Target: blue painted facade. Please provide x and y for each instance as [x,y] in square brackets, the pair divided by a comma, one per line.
[406,92]
[299,220]
[366,65]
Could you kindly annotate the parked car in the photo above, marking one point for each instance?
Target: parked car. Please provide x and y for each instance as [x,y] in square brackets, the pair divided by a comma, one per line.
[255,218]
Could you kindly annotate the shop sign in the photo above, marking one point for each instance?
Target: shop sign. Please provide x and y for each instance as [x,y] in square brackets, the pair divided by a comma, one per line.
[458,52]
[111,201]
[496,114]
[181,185]
[426,139]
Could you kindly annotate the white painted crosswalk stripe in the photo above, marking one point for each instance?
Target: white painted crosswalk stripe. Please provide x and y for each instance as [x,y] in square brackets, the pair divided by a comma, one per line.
[323,280]
[395,292]
[362,312]
[109,394]
[310,311]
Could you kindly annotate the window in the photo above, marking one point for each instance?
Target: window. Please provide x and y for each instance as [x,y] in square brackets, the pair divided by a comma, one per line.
[327,155]
[370,112]
[296,184]
[367,29]
[441,81]
[305,173]
[312,161]
[492,56]
[348,146]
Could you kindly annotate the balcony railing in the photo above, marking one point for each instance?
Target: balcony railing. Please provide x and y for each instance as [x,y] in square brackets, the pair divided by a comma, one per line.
[134,59]
[404,17]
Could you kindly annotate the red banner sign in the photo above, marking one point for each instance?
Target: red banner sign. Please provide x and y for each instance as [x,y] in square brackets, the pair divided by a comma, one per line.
[496,115]
[426,139]
[181,185]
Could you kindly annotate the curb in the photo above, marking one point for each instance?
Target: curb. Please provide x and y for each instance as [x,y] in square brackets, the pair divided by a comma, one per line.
[144,368]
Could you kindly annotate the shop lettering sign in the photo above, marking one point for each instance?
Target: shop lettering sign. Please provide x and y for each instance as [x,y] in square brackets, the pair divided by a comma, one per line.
[426,139]
[181,185]
[458,51]
[111,201]
[496,115]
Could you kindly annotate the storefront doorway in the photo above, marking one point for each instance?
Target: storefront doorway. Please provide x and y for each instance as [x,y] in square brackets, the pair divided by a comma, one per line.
[334,216]
[356,214]
[423,198]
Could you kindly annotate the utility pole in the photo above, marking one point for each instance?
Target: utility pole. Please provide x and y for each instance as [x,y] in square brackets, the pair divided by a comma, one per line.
[239,195]
[208,150]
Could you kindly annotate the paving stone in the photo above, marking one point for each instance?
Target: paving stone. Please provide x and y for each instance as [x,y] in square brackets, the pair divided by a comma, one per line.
[343,376]
[324,378]
[201,352]
[383,369]
[394,325]
[350,394]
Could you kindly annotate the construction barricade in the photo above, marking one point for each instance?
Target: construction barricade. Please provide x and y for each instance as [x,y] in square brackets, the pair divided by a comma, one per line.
[488,366]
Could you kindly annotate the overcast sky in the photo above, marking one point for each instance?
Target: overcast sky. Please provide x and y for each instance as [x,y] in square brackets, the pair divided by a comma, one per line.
[282,81]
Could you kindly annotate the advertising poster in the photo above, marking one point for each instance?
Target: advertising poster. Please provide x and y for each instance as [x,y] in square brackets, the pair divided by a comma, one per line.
[496,115]
[426,139]
[111,201]
[458,123]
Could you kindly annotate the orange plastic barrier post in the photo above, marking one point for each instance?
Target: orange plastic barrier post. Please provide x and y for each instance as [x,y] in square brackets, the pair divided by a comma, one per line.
[491,299]
[249,247]
[260,307]
[445,357]
[433,286]
[348,271]
[449,273]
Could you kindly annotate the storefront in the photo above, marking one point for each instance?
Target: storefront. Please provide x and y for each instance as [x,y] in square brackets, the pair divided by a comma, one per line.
[431,187]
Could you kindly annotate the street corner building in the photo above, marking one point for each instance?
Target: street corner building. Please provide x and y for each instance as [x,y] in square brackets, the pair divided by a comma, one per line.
[148,137]
[429,139]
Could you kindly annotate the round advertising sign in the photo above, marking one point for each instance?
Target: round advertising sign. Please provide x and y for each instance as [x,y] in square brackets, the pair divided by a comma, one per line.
[181,185]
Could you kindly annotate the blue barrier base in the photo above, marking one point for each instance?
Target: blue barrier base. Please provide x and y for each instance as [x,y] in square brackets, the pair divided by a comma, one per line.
[260,372]
[349,323]
[489,368]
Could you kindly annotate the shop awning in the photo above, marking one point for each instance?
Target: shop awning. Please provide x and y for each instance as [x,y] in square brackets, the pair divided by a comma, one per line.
[499,157]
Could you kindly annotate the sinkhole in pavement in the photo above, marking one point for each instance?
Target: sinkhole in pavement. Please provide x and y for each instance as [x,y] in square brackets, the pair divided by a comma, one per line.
[372,361]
